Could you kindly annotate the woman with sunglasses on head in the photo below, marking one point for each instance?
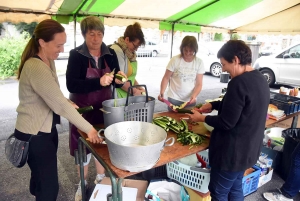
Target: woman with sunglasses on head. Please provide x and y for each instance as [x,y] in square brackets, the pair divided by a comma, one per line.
[184,74]
[40,107]
[126,48]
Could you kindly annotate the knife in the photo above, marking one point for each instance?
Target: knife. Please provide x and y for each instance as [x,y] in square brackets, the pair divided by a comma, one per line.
[169,104]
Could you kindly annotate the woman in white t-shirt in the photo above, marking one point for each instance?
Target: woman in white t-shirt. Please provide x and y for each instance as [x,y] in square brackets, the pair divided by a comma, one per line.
[184,74]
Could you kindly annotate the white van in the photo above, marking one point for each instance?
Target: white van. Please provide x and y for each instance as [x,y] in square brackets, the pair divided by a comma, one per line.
[282,67]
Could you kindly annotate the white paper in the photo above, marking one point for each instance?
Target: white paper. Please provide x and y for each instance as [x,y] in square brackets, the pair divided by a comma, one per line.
[129,194]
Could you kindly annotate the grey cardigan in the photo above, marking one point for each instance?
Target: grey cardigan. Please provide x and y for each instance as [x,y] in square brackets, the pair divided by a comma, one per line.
[39,95]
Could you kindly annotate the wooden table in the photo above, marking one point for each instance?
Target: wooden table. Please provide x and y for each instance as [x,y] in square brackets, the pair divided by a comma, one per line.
[168,154]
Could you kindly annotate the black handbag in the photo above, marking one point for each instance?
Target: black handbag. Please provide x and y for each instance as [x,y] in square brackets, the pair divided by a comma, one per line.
[16,151]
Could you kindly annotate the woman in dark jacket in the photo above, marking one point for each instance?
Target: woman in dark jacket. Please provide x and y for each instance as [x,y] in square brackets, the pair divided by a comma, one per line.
[89,82]
[239,126]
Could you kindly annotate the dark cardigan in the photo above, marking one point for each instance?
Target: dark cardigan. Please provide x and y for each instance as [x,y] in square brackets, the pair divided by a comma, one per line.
[238,133]
[79,62]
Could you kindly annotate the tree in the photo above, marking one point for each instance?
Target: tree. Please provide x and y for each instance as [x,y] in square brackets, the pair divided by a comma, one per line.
[218,37]
[22,26]
[235,36]
[1,27]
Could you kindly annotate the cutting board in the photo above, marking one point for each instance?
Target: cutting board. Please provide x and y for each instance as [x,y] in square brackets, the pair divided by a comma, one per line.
[198,129]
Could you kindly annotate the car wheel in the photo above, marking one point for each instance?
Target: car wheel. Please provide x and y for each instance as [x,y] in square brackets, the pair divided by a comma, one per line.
[216,69]
[269,75]
[154,53]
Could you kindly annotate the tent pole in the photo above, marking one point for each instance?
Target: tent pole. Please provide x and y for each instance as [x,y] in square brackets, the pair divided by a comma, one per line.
[172,39]
[74,18]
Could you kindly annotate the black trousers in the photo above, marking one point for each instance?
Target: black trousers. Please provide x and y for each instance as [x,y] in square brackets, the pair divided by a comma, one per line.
[42,160]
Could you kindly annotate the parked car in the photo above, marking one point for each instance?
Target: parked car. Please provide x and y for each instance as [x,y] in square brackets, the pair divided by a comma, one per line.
[208,54]
[282,67]
[268,50]
[149,50]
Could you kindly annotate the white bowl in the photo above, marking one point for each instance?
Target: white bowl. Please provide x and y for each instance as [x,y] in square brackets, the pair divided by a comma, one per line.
[208,127]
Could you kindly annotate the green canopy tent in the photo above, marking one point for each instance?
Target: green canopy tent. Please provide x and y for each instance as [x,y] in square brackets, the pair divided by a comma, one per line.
[253,16]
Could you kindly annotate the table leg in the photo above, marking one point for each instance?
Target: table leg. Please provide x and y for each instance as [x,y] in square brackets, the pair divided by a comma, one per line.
[116,184]
[294,122]
[81,156]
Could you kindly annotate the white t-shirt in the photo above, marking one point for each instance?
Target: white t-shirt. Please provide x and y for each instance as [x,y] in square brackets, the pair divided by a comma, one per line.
[183,79]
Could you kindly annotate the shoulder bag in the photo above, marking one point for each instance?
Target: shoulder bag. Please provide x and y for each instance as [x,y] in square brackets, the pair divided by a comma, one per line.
[16,151]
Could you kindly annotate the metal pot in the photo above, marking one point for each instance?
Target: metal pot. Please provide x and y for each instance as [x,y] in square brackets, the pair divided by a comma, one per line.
[135,146]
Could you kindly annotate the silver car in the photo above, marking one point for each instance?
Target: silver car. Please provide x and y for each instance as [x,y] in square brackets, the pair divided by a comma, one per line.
[282,67]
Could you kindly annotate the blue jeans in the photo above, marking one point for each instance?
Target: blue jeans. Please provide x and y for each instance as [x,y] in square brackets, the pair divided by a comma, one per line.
[177,102]
[226,185]
[291,186]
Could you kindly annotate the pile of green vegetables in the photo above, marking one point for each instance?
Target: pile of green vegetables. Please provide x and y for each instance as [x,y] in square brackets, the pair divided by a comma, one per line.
[184,136]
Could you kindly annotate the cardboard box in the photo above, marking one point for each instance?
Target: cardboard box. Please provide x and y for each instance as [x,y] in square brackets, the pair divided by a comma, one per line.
[140,185]
[197,196]
[265,178]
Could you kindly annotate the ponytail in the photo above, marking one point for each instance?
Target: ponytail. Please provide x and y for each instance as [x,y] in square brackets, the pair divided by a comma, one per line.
[31,49]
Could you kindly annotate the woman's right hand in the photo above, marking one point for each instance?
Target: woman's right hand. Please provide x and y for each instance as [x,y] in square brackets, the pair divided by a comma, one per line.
[93,137]
[106,79]
[206,108]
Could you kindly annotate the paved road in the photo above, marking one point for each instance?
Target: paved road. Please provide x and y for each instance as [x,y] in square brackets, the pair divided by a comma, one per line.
[150,73]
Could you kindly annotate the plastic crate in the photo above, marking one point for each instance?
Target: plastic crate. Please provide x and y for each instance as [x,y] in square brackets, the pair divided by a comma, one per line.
[289,104]
[250,182]
[189,175]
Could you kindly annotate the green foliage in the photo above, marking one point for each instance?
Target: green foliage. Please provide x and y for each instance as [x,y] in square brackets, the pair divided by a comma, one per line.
[235,36]
[22,26]
[218,37]
[11,49]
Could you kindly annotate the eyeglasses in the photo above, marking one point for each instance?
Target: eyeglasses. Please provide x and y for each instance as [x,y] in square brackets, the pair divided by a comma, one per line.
[135,46]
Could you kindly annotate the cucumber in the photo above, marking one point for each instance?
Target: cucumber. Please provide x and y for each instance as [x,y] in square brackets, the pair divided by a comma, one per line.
[121,77]
[84,109]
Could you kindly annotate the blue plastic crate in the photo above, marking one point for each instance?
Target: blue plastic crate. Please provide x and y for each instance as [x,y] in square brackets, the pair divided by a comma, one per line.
[250,182]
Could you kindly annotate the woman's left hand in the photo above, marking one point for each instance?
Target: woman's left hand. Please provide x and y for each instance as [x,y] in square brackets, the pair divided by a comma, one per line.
[119,81]
[196,116]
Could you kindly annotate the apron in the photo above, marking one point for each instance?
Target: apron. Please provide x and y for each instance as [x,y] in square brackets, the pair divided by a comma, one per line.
[133,65]
[95,99]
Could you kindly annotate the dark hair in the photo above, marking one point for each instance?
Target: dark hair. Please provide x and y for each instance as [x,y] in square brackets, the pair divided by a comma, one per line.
[236,48]
[189,41]
[91,23]
[134,32]
[45,30]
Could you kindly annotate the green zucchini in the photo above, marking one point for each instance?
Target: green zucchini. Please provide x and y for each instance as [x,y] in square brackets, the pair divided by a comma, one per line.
[184,111]
[84,109]
[121,77]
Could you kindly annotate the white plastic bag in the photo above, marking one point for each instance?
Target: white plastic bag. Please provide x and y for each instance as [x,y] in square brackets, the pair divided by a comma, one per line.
[167,190]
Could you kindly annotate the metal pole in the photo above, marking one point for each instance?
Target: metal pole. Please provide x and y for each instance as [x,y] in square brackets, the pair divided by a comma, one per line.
[80,147]
[74,18]
[172,39]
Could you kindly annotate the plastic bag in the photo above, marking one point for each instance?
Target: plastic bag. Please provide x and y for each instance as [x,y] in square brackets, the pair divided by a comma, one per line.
[167,190]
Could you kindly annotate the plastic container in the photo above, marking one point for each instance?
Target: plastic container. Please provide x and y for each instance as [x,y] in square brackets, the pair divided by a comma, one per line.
[250,182]
[272,134]
[289,104]
[185,172]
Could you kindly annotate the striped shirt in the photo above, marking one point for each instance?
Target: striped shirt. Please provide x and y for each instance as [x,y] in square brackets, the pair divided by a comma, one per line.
[40,96]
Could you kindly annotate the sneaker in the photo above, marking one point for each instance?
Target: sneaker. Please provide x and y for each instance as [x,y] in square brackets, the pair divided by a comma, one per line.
[78,195]
[99,178]
[276,196]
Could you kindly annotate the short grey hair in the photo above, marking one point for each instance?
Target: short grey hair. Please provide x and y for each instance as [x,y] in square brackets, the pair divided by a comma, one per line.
[91,23]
